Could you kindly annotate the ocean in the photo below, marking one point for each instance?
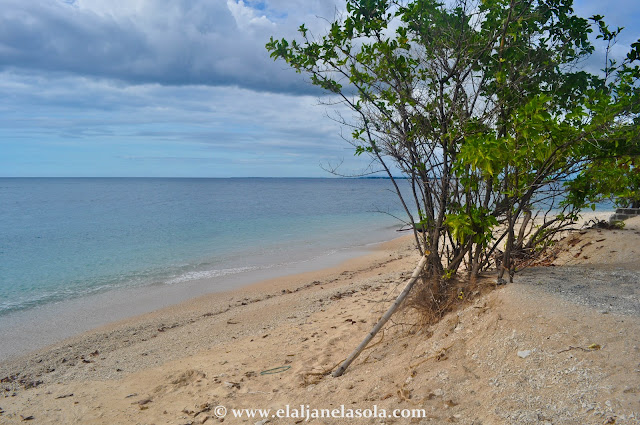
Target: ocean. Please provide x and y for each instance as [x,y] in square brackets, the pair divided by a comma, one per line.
[77,253]
[65,238]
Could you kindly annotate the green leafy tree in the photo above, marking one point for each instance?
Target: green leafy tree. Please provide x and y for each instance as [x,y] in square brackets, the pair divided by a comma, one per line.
[481,106]
[614,172]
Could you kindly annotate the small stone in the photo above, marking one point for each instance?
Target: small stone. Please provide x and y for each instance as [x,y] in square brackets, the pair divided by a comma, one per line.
[262,422]
[524,354]
[65,395]
[438,392]
[232,384]
[143,401]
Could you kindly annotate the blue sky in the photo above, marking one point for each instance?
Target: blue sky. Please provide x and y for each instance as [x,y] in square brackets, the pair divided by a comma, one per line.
[173,88]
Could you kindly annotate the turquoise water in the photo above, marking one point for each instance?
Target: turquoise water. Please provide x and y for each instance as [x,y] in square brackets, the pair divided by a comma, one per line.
[68,238]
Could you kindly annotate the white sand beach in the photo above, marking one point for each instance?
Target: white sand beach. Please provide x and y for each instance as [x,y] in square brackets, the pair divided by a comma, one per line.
[561,345]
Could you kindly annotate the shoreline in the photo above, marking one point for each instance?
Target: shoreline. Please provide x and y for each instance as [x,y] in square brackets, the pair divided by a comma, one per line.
[82,237]
[36,329]
[43,328]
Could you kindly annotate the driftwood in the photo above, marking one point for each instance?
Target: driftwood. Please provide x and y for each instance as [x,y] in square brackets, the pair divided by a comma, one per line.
[339,371]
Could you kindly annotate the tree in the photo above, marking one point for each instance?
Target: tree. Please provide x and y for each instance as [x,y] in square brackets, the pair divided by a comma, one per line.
[482,107]
[614,172]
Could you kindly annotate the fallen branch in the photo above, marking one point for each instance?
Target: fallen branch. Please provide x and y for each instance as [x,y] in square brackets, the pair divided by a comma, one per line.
[383,319]
[592,347]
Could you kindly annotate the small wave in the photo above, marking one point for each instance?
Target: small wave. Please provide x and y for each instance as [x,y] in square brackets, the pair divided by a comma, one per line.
[208,274]
[50,296]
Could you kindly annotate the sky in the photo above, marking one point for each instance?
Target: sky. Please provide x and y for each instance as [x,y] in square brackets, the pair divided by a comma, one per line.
[180,88]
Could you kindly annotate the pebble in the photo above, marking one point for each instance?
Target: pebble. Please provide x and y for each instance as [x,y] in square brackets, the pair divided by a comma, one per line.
[232,384]
[524,354]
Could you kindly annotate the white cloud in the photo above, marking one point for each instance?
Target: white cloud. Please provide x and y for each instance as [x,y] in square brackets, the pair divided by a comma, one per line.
[246,17]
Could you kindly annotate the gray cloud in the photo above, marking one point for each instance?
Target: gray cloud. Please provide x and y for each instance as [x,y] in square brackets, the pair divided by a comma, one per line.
[219,43]
[151,121]
[183,42]
[182,87]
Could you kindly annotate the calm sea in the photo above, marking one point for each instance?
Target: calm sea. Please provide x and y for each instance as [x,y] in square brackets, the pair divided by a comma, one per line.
[68,238]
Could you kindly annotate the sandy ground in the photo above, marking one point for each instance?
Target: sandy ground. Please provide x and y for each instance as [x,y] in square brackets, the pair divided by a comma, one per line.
[561,345]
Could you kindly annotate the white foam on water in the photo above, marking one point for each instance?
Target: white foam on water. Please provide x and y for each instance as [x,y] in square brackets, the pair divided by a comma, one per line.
[208,274]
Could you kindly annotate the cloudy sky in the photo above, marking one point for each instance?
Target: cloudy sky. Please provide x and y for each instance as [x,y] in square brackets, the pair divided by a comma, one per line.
[172,88]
